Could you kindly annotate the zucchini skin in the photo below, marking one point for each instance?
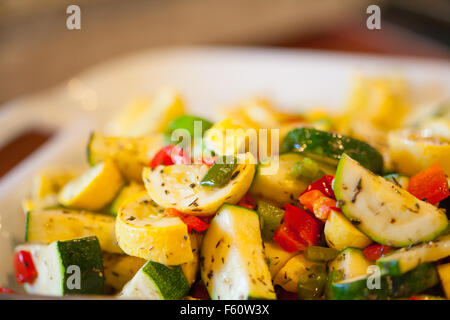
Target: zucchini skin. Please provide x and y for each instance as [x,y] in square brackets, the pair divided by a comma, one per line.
[86,254]
[156,281]
[89,158]
[175,289]
[390,268]
[415,281]
[27,225]
[332,146]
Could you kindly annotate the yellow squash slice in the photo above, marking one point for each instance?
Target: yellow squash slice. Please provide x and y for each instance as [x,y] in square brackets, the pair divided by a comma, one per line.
[444,275]
[256,112]
[228,137]
[143,230]
[276,256]
[340,233]
[374,100]
[290,273]
[239,131]
[50,201]
[127,194]
[233,136]
[50,182]
[147,116]
[45,187]
[192,268]
[119,269]
[412,152]
[178,186]
[94,189]
[47,226]
[129,154]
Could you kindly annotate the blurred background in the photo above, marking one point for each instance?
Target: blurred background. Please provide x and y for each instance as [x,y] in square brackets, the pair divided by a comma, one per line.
[37,51]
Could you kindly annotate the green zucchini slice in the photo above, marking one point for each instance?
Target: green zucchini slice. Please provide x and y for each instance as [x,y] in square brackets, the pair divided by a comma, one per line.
[155,281]
[383,211]
[66,267]
[350,263]
[413,282]
[399,179]
[232,261]
[280,185]
[405,259]
[329,147]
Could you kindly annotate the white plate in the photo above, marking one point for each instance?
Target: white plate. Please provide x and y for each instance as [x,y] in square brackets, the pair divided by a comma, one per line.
[208,77]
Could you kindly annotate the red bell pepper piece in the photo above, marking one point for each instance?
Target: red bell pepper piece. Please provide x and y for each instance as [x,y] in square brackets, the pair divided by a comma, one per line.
[170,155]
[415,298]
[323,185]
[288,239]
[375,251]
[298,230]
[209,161]
[303,223]
[430,184]
[7,290]
[286,295]
[206,219]
[316,202]
[199,291]
[247,202]
[192,222]
[25,270]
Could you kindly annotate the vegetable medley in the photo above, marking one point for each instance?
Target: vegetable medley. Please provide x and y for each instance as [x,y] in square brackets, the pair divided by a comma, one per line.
[348,205]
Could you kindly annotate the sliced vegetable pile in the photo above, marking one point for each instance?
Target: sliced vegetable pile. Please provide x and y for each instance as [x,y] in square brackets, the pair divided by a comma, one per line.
[337,212]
